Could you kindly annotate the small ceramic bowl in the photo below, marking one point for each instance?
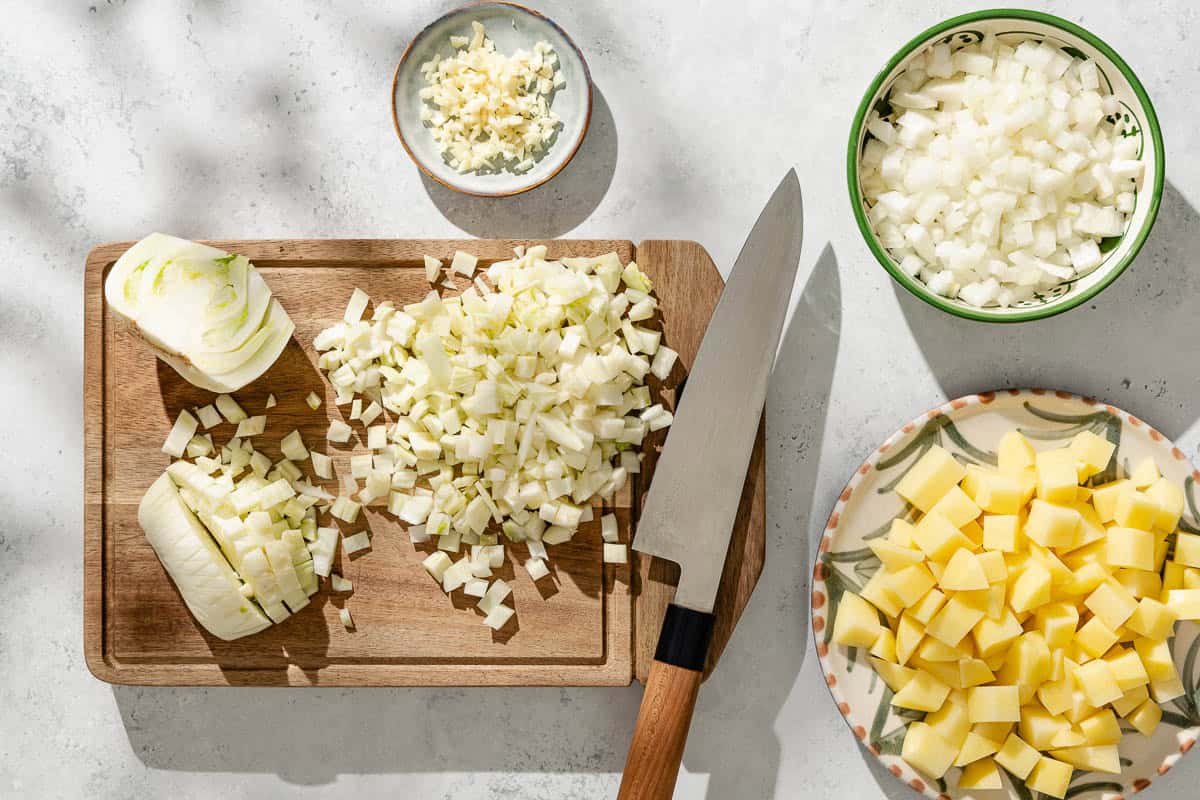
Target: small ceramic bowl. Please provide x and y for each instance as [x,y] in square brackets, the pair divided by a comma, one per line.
[1139,119]
[511,27]
[969,428]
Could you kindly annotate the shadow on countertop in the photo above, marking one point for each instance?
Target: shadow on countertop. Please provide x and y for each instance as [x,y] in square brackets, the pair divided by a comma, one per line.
[1134,345]
[553,208]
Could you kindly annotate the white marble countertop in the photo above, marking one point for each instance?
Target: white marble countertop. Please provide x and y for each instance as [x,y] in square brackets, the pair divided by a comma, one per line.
[270,119]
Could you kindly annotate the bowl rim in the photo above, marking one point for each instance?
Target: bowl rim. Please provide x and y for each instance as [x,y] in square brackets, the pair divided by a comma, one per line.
[817,583]
[587,116]
[919,289]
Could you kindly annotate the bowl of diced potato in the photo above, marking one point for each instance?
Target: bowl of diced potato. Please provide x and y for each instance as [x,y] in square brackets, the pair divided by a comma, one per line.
[1006,600]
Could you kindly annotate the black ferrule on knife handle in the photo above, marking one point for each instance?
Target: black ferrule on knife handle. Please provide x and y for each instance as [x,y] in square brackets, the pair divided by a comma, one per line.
[684,639]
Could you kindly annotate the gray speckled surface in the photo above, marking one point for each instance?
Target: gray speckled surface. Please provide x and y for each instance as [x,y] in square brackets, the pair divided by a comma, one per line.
[247,120]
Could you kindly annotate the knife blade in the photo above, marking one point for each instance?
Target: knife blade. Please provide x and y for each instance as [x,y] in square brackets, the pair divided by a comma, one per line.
[689,513]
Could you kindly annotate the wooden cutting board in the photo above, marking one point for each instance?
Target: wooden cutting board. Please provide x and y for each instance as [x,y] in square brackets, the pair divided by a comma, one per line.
[593,624]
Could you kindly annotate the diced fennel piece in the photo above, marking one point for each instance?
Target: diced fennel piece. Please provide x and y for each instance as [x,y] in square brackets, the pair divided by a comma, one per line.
[230,409]
[615,553]
[181,433]
[608,528]
[354,543]
[345,509]
[208,416]
[292,447]
[536,568]
[356,306]
[476,587]
[498,617]
[313,401]
[494,596]
[339,431]
[271,401]
[436,564]
[251,426]
[463,263]
[340,584]
[347,620]
[432,268]
[322,464]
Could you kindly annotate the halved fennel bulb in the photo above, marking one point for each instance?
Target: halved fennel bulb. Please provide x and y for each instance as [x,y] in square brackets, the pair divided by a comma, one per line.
[207,313]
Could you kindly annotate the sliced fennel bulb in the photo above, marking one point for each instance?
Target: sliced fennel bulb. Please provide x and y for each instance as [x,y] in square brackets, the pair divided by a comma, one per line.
[207,313]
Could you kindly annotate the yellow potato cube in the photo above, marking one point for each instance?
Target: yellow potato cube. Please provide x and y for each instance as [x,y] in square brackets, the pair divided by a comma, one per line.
[901,533]
[1152,619]
[1057,622]
[993,731]
[1039,727]
[974,747]
[1015,454]
[1172,573]
[1055,696]
[856,623]
[1129,547]
[1111,604]
[999,494]
[1191,578]
[895,557]
[1104,498]
[1080,707]
[931,477]
[974,532]
[993,704]
[1187,549]
[944,671]
[895,676]
[1131,700]
[1146,717]
[933,650]
[1127,668]
[927,606]
[878,593]
[1156,658]
[973,672]
[1031,588]
[1027,665]
[885,646]
[1086,578]
[1139,582]
[970,482]
[923,693]
[993,636]
[1057,478]
[1050,777]
[1105,758]
[956,507]
[910,584]
[950,721]
[1097,682]
[909,634]
[1052,525]
[1095,638]
[1166,691]
[994,566]
[1135,510]
[924,750]
[1001,532]
[1184,602]
[938,538]
[1068,737]
[1092,453]
[1016,756]
[963,572]
[1145,473]
[1101,728]
[1090,529]
[982,775]
[1170,503]
[955,620]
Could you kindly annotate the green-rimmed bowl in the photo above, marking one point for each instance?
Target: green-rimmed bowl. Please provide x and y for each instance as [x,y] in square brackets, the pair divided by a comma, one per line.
[970,428]
[1139,120]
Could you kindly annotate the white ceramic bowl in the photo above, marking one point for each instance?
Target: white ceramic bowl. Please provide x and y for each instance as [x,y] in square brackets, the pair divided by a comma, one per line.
[511,27]
[969,428]
[1139,119]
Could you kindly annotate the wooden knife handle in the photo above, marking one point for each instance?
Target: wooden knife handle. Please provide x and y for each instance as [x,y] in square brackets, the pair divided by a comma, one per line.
[667,705]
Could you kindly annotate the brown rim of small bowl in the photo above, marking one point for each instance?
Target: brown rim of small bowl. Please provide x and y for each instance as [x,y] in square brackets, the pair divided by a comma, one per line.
[587,119]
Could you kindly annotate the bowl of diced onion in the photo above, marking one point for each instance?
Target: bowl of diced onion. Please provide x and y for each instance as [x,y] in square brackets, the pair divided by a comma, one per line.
[1005,165]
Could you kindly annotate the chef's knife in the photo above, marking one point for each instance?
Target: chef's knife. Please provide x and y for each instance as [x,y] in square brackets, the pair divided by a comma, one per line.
[689,513]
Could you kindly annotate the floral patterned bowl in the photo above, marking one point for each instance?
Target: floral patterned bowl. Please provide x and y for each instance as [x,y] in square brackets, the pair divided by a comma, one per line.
[968,427]
[1138,119]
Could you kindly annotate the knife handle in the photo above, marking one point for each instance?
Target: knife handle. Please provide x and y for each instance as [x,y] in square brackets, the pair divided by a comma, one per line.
[667,705]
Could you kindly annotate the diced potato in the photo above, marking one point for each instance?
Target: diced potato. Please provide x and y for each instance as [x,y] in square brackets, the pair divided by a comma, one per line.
[1096,680]
[933,650]
[1156,658]
[1146,717]
[993,636]
[974,672]
[995,568]
[974,747]
[1052,525]
[994,731]
[1001,532]
[1129,547]
[1145,473]
[1184,602]
[1055,696]
[1094,638]
[982,775]
[1139,582]
[1017,756]
[956,507]
[1057,478]
[1111,604]
[1101,728]
[1027,665]
[1080,707]
[1169,498]
[950,721]
[1057,622]
[931,477]
[1166,690]
[964,572]
[1104,498]
[1015,454]
[894,557]
[885,646]
[1068,737]
[1085,579]
[1091,452]
[999,494]
[909,634]
[894,675]
[955,620]
[1172,573]
[1191,578]
[910,584]
[927,606]
[973,531]
[1090,529]
[1105,758]
[1187,549]
[901,533]
[1127,668]
[856,623]
[938,538]
[1039,727]
[1050,777]
[878,592]
[1135,509]
[1131,700]
[1031,588]
[924,750]
[994,704]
